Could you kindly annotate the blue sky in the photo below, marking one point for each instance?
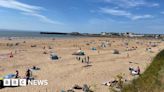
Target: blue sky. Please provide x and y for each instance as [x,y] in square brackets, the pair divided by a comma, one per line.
[92,16]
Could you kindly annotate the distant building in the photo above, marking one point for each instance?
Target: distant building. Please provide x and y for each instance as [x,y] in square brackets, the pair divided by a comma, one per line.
[130,34]
[105,34]
[115,34]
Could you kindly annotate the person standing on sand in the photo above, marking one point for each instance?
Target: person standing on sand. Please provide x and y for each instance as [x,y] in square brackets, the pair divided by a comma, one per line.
[28,75]
[79,58]
[17,74]
[44,47]
[82,61]
[127,54]
[88,58]
[138,69]
[85,59]
[11,55]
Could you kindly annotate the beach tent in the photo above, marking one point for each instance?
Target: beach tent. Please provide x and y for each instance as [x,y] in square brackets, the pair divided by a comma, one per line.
[79,52]
[54,56]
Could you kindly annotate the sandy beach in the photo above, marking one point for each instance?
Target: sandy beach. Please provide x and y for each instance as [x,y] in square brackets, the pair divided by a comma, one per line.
[67,70]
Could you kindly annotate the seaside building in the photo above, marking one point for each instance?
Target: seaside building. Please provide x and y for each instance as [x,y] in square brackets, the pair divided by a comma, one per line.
[130,34]
[105,34]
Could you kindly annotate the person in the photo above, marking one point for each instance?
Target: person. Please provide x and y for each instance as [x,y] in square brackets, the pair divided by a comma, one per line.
[44,47]
[82,61]
[138,70]
[131,69]
[127,54]
[34,67]
[11,55]
[15,51]
[28,75]
[85,59]
[53,39]
[17,74]
[88,58]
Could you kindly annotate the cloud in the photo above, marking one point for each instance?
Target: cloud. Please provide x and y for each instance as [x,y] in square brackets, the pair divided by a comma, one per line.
[115,12]
[43,18]
[123,13]
[26,9]
[162,12]
[136,17]
[131,3]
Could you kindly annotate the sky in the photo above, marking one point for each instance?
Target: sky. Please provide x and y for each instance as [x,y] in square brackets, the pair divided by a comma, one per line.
[85,16]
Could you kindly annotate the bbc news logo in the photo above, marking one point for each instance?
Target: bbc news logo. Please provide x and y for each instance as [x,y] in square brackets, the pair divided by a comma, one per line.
[24,82]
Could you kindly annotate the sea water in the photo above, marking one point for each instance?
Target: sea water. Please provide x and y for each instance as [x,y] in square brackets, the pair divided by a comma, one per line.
[30,34]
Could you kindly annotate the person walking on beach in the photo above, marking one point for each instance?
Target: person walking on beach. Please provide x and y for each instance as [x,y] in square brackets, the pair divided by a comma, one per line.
[28,75]
[76,58]
[44,47]
[17,74]
[88,58]
[98,52]
[79,58]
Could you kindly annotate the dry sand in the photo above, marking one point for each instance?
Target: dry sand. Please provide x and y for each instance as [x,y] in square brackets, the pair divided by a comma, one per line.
[67,71]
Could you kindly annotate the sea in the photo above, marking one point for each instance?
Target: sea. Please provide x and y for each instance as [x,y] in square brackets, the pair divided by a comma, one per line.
[30,34]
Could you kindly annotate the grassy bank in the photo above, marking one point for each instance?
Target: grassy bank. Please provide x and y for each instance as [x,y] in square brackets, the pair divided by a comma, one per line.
[152,80]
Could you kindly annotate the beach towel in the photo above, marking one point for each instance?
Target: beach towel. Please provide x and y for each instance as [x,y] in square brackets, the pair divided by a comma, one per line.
[9,76]
[94,49]
[134,73]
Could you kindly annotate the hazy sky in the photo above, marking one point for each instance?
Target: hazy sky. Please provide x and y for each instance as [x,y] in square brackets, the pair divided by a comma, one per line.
[141,16]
